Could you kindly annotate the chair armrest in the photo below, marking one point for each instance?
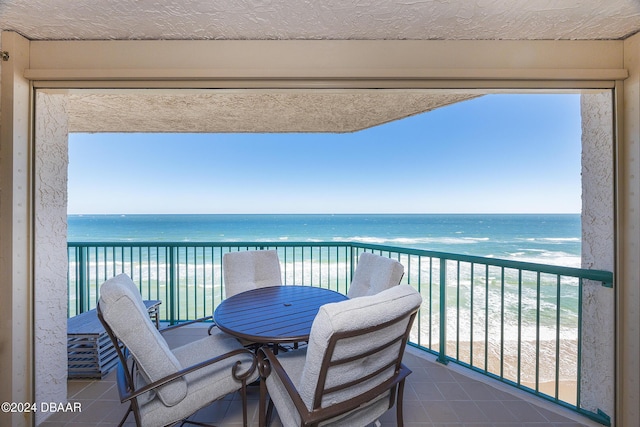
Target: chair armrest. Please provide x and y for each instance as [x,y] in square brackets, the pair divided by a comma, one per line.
[181,324]
[268,363]
[355,402]
[128,395]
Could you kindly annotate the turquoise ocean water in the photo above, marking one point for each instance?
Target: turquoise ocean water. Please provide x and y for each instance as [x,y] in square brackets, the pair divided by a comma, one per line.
[544,238]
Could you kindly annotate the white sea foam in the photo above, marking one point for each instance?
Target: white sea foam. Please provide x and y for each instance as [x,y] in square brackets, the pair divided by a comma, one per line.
[561,239]
[408,241]
[551,239]
[541,256]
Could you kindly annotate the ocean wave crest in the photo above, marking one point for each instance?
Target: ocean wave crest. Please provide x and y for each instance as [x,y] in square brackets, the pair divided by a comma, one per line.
[547,257]
[414,240]
[552,239]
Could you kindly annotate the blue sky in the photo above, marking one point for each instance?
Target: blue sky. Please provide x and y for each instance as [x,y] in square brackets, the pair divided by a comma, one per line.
[494,154]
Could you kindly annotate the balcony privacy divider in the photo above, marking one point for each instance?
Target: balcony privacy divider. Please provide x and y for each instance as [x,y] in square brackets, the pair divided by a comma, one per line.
[518,322]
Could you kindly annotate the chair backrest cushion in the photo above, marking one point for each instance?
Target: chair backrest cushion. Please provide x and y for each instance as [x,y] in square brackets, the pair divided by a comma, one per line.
[397,303]
[374,273]
[246,270]
[123,310]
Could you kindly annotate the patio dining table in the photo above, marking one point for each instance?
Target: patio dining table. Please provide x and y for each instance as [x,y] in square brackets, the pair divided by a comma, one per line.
[274,314]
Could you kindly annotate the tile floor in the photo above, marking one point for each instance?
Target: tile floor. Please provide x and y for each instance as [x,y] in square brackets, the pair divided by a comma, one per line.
[435,396]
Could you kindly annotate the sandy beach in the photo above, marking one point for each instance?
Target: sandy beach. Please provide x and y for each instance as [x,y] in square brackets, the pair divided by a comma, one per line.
[543,366]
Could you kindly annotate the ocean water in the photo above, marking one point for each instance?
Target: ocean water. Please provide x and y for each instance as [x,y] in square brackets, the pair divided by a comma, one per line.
[544,238]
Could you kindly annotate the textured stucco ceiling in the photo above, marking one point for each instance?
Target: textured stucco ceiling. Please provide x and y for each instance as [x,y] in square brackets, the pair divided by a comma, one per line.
[310,111]
[250,111]
[321,19]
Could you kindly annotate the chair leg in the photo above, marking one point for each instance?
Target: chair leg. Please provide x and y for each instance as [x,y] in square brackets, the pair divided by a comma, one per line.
[265,413]
[244,403]
[261,404]
[269,413]
[126,415]
[399,400]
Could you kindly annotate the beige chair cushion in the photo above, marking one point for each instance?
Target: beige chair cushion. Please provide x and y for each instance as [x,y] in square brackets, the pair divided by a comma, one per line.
[374,273]
[246,270]
[303,366]
[123,310]
[204,385]
[293,363]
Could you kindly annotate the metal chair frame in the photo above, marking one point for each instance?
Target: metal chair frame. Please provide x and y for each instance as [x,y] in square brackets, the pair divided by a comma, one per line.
[127,367]
[267,361]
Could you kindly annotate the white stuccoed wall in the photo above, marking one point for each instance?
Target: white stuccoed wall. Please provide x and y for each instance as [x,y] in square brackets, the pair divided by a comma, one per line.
[598,345]
[0,68]
[50,229]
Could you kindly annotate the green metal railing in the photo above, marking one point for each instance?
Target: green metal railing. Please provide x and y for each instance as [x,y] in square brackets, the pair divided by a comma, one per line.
[518,322]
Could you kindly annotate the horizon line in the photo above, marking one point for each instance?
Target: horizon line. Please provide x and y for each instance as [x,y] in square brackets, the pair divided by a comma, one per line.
[326,213]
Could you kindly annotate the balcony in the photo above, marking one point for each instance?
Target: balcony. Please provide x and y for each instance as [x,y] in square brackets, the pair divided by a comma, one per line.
[487,327]
[435,395]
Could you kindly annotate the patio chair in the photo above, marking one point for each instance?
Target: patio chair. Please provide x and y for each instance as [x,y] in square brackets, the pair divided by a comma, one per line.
[374,273]
[351,372]
[164,386]
[246,270]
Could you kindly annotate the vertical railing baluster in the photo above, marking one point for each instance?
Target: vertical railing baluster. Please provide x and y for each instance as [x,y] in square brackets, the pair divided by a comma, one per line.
[93,283]
[442,356]
[186,282]
[352,263]
[139,255]
[72,258]
[486,317]
[320,267]
[221,275]
[113,260]
[131,271]
[157,291]
[538,297]
[579,368]
[418,285]
[502,309]
[302,264]
[104,270]
[84,286]
[172,284]
[471,317]
[557,379]
[519,326]
[458,310]
[286,266]
[311,267]
[430,302]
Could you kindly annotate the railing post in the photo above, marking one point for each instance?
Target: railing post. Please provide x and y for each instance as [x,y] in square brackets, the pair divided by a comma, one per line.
[442,354]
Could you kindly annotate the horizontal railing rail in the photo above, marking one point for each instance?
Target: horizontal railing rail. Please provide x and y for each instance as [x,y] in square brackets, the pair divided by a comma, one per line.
[518,322]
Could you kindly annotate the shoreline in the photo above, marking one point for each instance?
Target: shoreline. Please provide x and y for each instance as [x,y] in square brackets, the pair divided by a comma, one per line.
[567,388]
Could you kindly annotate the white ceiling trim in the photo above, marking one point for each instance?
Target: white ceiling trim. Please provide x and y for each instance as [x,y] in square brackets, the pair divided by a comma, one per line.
[318,60]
